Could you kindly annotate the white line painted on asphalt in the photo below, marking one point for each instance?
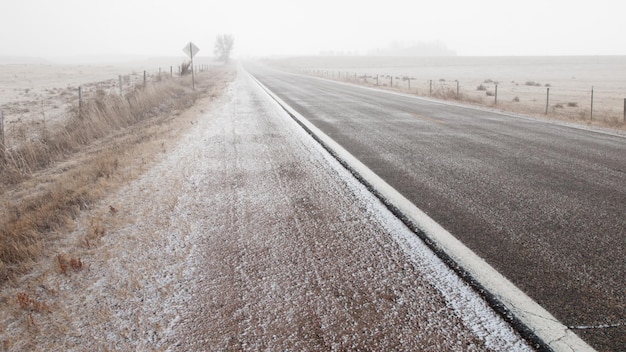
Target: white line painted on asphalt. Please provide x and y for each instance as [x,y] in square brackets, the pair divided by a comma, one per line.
[544,325]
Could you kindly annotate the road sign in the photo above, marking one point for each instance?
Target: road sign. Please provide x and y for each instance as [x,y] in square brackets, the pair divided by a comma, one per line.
[191,49]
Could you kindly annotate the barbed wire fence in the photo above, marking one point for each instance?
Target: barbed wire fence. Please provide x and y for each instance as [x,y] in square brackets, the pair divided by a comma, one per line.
[30,120]
[594,104]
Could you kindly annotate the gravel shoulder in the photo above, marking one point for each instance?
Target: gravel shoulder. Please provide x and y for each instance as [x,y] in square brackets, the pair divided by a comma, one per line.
[247,235]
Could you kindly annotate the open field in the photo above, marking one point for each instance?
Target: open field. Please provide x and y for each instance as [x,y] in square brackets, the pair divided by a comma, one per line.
[35,97]
[522,81]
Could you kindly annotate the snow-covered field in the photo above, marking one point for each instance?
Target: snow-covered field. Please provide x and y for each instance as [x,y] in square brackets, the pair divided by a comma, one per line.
[248,235]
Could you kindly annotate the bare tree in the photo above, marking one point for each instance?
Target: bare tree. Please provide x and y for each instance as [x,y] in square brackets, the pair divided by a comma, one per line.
[223,46]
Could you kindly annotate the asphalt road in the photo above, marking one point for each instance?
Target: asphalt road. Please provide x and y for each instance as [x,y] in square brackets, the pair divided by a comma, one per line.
[543,203]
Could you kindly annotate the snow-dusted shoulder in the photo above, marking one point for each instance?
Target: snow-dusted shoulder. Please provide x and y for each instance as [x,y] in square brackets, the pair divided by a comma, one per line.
[248,235]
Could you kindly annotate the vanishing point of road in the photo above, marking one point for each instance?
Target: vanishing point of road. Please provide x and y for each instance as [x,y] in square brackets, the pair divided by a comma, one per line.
[543,203]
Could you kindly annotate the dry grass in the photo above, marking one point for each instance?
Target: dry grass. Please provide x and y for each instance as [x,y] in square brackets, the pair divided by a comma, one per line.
[27,303]
[44,184]
[67,263]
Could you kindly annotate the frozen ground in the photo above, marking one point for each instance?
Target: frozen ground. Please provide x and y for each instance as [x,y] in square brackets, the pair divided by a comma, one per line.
[247,235]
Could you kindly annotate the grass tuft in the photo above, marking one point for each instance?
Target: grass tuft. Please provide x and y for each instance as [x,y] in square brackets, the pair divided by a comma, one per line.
[65,264]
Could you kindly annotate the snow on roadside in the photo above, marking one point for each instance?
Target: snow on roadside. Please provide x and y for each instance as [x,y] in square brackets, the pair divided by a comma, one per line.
[200,234]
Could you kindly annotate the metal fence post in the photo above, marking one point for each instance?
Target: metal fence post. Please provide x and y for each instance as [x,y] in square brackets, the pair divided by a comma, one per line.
[547,100]
[144,79]
[431,87]
[624,110]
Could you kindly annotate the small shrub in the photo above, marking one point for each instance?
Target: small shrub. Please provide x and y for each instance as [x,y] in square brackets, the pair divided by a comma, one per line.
[481,87]
[533,84]
[76,264]
[442,80]
[548,85]
[185,68]
[490,93]
[516,100]
[446,93]
[558,106]
[489,80]
[572,104]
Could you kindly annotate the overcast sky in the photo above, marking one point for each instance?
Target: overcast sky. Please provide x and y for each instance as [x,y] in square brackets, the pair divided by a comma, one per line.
[57,28]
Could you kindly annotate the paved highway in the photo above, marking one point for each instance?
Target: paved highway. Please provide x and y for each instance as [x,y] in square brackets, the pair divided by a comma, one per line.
[543,203]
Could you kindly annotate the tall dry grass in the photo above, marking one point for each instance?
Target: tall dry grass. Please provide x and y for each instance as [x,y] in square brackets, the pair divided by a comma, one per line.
[45,183]
[96,118]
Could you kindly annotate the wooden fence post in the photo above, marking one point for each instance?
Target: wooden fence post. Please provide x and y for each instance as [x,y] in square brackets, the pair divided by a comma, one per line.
[121,87]
[80,102]
[431,87]
[591,118]
[1,133]
[144,78]
[547,99]
[496,98]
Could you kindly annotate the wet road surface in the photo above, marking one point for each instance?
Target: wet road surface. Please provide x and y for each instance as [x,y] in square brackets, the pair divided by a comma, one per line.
[542,203]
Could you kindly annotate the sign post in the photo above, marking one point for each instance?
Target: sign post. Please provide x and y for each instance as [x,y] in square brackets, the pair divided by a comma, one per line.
[191,50]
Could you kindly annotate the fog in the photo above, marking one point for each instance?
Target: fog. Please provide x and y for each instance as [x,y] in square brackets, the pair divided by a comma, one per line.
[113,28]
